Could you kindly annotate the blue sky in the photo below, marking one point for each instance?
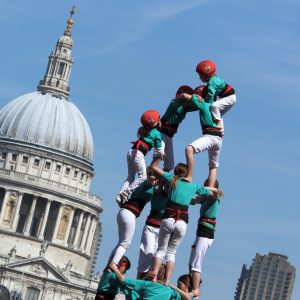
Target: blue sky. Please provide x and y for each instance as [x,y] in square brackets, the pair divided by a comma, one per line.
[131,56]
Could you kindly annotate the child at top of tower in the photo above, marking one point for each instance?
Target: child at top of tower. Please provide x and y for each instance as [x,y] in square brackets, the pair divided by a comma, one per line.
[148,137]
[170,121]
[220,94]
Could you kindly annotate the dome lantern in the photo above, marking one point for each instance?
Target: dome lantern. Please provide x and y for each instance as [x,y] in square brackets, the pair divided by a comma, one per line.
[56,79]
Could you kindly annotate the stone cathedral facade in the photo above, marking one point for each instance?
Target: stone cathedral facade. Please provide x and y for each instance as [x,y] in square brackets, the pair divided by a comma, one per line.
[49,221]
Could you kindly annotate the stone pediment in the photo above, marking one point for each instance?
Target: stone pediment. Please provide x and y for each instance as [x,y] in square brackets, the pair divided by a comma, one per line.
[39,267]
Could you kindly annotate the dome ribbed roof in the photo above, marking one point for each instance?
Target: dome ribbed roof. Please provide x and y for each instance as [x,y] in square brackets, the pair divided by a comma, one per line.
[47,121]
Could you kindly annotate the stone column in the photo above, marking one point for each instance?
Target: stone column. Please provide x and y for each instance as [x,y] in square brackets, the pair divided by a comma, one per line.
[17,210]
[30,216]
[84,236]
[57,222]
[69,226]
[45,218]
[77,233]
[7,192]
[91,236]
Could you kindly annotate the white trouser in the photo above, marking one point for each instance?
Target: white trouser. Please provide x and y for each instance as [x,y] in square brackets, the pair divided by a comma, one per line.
[212,144]
[126,226]
[148,247]
[169,153]
[221,106]
[170,235]
[198,251]
[136,165]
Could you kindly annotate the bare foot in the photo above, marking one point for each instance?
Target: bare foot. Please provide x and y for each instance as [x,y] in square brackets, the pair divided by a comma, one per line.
[166,282]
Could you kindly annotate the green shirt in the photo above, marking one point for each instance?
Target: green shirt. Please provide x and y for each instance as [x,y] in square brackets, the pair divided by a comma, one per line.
[109,283]
[209,209]
[206,119]
[177,110]
[214,87]
[148,290]
[184,191]
[144,191]
[153,138]
[159,200]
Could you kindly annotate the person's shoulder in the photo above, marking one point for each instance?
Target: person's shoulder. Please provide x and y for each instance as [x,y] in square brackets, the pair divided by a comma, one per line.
[167,176]
[154,131]
[214,79]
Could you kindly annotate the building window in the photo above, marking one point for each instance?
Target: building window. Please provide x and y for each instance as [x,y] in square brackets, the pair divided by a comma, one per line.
[36,162]
[14,157]
[47,165]
[58,168]
[4,154]
[75,173]
[32,294]
[68,170]
[82,176]
[61,68]
[25,160]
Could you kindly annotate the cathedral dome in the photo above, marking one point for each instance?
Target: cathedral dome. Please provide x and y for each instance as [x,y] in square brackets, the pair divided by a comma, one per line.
[47,121]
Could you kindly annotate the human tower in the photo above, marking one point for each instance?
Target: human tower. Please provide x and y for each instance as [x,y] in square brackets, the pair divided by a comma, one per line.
[170,191]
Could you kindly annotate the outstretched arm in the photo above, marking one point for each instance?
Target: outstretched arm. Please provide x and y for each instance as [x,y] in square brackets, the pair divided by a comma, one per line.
[213,192]
[184,295]
[197,200]
[115,269]
[155,167]
[184,96]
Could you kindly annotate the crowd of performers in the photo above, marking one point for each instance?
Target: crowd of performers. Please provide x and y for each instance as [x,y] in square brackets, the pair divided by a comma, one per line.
[170,191]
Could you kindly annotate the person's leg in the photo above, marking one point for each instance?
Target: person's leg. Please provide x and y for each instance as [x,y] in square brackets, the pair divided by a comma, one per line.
[175,240]
[213,158]
[198,251]
[199,145]
[212,177]
[221,106]
[190,161]
[126,226]
[166,229]
[140,169]
[147,249]
[169,270]
[130,176]
[169,153]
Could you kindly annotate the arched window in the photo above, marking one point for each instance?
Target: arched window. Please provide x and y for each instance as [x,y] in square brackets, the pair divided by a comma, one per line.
[4,293]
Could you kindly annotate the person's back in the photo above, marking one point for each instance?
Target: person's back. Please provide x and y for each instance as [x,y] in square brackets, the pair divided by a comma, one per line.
[148,290]
[108,286]
[174,115]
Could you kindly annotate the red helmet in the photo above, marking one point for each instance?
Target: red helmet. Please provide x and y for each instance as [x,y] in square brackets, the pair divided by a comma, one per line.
[150,118]
[184,89]
[206,67]
[201,90]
